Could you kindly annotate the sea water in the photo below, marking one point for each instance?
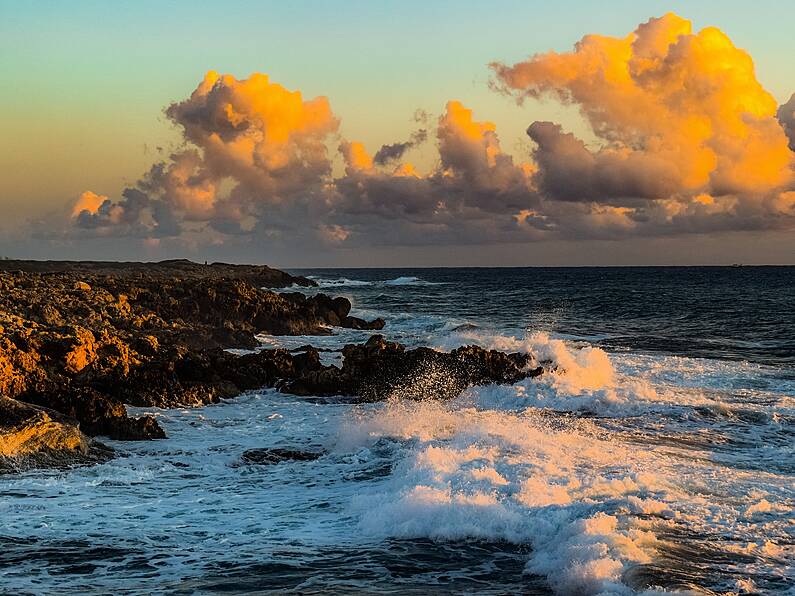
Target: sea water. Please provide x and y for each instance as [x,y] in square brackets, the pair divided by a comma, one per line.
[659,457]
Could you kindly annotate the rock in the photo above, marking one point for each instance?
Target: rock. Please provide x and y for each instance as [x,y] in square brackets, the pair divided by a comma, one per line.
[31,436]
[333,311]
[372,371]
[26,429]
[357,323]
[84,339]
[380,369]
[186,377]
[97,413]
[258,275]
[81,350]
[271,456]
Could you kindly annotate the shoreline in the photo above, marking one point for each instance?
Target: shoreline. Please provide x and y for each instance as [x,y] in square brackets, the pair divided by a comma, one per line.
[81,340]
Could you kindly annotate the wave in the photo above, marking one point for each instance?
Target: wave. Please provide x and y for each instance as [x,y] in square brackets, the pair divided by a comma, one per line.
[501,464]
[398,281]
[410,281]
[500,476]
[584,504]
[337,282]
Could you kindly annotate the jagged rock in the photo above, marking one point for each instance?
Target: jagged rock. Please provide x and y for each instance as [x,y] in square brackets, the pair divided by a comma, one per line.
[372,371]
[380,369]
[142,335]
[97,412]
[357,323]
[32,436]
[269,456]
[26,429]
[85,348]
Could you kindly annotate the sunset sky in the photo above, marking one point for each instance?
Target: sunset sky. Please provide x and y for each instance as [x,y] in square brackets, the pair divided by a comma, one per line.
[392,134]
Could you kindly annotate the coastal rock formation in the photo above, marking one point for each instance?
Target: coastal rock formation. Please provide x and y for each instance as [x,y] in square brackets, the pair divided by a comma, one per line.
[380,369]
[31,436]
[260,276]
[86,338]
[372,371]
[270,456]
[80,341]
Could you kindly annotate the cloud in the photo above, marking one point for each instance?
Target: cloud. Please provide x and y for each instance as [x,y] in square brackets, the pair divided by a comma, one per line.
[688,142]
[268,139]
[568,171]
[264,143]
[474,179]
[689,99]
[786,116]
[89,202]
[395,151]
[134,215]
[356,157]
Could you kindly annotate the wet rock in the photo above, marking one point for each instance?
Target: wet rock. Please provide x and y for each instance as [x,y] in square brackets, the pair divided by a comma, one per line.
[26,429]
[32,436]
[97,413]
[270,456]
[146,334]
[380,369]
[85,339]
[357,323]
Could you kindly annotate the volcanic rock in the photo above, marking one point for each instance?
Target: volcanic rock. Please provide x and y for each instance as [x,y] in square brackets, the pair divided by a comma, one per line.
[31,436]
[269,456]
[380,369]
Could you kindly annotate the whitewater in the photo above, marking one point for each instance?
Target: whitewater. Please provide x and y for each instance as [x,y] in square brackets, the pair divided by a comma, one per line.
[636,466]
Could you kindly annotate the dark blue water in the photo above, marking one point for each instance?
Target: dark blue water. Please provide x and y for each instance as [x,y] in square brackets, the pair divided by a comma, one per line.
[737,313]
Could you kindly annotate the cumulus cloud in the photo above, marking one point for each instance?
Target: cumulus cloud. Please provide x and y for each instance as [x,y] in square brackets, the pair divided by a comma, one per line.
[89,202]
[568,171]
[689,141]
[265,144]
[269,139]
[474,179]
[681,116]
[689,99]
[786,116]
[134,215]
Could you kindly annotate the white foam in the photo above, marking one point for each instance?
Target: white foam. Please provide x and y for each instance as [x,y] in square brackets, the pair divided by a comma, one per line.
[339,282]
[410,280]
[502,476]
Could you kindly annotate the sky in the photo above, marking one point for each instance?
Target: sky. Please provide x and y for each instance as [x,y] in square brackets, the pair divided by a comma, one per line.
[398,134]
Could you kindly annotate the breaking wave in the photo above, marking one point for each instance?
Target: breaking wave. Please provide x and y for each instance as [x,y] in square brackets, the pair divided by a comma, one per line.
[338,282]
[325,282]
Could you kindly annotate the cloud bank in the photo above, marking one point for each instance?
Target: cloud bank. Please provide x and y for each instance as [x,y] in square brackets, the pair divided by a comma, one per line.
[688,142]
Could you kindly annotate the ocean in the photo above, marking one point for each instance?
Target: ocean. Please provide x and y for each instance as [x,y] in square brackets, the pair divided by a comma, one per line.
[659,456]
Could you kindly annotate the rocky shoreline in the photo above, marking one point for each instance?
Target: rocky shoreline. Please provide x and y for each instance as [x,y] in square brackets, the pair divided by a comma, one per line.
[80,340]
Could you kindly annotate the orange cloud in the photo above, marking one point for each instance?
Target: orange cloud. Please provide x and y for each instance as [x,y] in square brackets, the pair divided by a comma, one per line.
[258,132]
[252,145]
[356,156]
[687,99]
[471,150]
[691,142]
[88,201]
